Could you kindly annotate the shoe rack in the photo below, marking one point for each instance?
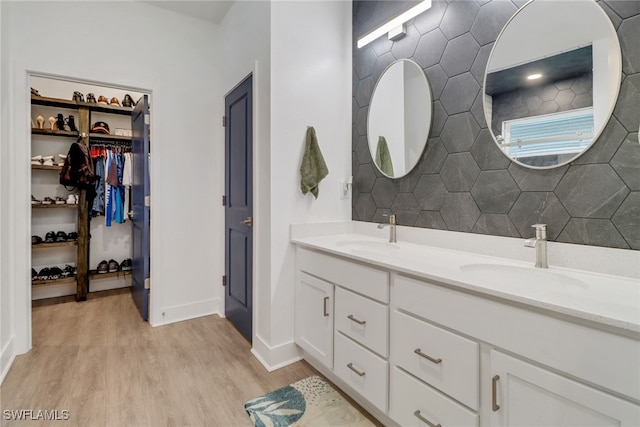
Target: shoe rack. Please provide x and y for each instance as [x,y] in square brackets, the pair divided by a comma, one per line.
[45,178]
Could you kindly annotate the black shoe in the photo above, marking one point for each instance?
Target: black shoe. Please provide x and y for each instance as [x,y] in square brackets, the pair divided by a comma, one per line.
[91,98]
[113,266]
[50,237]
[78,96]
[72,237]
[126,265]
[44,274]
[127,101]
[55,273]
[61,236]
[68,271]
[36,240]
[103,267]
[34,274]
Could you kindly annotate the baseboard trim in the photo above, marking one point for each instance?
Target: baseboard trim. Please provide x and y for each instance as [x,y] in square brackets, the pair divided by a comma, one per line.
[179,313]
[275,357]
[7,357]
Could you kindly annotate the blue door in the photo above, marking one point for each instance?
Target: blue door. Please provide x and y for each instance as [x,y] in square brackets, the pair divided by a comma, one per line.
[140,205]
[239,207]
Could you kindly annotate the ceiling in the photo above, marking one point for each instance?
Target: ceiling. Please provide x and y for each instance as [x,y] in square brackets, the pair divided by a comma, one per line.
[208,10]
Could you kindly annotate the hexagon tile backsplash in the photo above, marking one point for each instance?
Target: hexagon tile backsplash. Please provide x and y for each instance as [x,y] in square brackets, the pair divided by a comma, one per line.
[463,182]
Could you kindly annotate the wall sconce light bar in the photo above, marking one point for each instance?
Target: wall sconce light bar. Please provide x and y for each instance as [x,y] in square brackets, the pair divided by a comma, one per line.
[396,22]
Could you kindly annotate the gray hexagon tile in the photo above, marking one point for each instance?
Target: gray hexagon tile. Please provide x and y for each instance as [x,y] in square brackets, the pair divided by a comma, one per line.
[549,93]
[458,18]
[487,154]
[536,180]
[624,8]
[434,157]
[430,48]
[459,211]
[361,121]
[626,162]
[379,215]
[581,101]
[591,191]
[459,133]
[615,19]
[627,219]
[430,219]
[539,208]
[459,55]
[490,20]
[362,152]
[363,61]
[628,101]
[364,91]
[496,225]
[480,63]
[406,209]
[565,97]
[459,172]
[365,207]
[437,80]
[381,64]
[430,192]
[383,193]
[595,232]
[407,184]
[519,3]
[582,86]
[381,45]
[438,119]
[477,109]
[495,192]
[365,177]
[606,145]
[430,20]
[406,46]
[459,93]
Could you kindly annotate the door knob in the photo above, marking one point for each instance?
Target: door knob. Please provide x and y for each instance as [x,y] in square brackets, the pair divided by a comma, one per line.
[248,221]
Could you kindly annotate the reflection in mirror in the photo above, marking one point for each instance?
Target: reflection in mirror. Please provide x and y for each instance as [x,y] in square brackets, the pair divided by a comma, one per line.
[399,118]
[552,81]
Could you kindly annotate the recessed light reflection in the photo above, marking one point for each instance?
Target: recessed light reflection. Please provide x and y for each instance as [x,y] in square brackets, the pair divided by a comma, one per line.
[534,76]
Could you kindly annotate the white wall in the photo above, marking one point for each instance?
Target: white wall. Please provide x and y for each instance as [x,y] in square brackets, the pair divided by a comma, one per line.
[172,58]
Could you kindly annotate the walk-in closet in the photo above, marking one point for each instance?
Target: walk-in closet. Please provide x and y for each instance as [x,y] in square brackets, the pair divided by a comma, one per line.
[82,242]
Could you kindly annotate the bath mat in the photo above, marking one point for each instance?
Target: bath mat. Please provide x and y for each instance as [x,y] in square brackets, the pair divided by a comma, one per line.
[308,402]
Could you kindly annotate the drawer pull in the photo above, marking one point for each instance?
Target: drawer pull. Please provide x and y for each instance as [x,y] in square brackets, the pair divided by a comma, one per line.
[494,393]
[324,307]
[424,420]
[360,373]
[359,322]
[426,356]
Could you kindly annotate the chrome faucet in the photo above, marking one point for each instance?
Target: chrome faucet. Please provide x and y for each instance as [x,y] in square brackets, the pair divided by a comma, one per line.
[540,243]
[392,227]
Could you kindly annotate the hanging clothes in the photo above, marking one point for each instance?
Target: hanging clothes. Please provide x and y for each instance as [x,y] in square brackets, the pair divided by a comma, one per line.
[127,182]
[98,203]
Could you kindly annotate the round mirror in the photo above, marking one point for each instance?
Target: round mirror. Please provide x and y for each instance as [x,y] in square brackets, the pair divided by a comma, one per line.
[552,81]
[399,118]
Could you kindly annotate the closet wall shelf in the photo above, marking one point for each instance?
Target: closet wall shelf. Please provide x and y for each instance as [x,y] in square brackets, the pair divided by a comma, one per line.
[66,103]
[101,136]
[54,206]
[50,132]
[61,281]
[54,245]
[93,274]
[47,168]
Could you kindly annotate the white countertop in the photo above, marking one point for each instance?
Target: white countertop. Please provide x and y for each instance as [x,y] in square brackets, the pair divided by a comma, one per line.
[605,299]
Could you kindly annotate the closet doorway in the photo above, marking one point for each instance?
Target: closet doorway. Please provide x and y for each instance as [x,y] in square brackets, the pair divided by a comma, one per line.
[82,244]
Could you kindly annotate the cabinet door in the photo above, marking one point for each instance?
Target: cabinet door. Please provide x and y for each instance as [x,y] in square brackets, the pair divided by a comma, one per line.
[314,317]
[527,395]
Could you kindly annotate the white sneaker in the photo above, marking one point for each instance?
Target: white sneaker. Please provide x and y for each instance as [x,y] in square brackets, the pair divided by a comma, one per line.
[36,160]
[47,160]
[72,199]
[62,158]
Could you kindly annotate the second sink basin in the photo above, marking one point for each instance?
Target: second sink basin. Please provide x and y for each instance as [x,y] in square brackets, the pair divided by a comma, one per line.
[369,247]
[499,274]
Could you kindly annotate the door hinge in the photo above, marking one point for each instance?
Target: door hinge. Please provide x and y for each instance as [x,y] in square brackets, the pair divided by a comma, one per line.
[147,201]
[147,283]
[147,119]
[224,200]
[224,121]
[224,280]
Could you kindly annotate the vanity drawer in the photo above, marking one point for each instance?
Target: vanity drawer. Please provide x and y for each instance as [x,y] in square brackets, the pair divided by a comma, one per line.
[408,395]
[455,366]
[362,319]
[371,378]
[349,274]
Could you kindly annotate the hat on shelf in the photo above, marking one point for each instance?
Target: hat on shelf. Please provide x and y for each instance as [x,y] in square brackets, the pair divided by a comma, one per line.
[100,127]
[102,100]
[114,101]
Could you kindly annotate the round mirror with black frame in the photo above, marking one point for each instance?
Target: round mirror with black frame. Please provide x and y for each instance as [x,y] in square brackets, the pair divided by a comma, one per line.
[552,81]
[399,118]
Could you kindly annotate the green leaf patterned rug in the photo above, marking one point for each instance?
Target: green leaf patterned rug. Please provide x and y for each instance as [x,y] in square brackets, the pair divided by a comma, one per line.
[308,402]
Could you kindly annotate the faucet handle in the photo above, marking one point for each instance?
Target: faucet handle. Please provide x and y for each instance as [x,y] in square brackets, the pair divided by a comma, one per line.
[392,218]
[541,230]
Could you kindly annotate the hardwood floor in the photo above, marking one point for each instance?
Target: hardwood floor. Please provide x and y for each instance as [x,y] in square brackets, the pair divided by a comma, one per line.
[105,366]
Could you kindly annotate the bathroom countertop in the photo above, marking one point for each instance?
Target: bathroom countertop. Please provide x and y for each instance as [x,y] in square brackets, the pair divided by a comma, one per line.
[605,299]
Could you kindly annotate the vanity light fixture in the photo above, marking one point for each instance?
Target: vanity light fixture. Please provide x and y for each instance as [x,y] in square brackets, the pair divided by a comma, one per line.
[395,27]
[534,76]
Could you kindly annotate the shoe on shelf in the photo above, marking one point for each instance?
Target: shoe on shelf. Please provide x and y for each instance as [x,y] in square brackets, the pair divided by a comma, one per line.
[47,201]
[61,159]
[78,96]
[55,273]
[126,265]
[114,101]
[35,201]
[91,98]
[34,274]
[61,236]
[103,100]
[103,267]
[60,201]
[113,266]
[36,240]
[47,160]
[36,160]
[44,274]
[72,236]
[50,237]
[68,271]
[72,199]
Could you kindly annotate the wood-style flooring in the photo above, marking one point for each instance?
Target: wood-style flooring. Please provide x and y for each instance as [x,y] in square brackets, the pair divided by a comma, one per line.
[100,362]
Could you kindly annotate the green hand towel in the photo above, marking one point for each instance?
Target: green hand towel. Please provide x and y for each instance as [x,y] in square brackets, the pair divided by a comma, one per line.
[383,157]
[313,168]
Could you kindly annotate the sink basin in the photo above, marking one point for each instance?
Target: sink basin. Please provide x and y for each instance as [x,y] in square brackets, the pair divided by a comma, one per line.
[505,275]
[369,247]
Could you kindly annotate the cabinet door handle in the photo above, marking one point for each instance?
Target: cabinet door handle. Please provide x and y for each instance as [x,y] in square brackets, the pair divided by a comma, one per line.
[360,373]
[359,322]
[426,356]
[494,393]
[324,307]
[424,420]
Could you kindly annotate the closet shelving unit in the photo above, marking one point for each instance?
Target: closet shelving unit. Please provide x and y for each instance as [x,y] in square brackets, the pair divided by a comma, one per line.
[84,110]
